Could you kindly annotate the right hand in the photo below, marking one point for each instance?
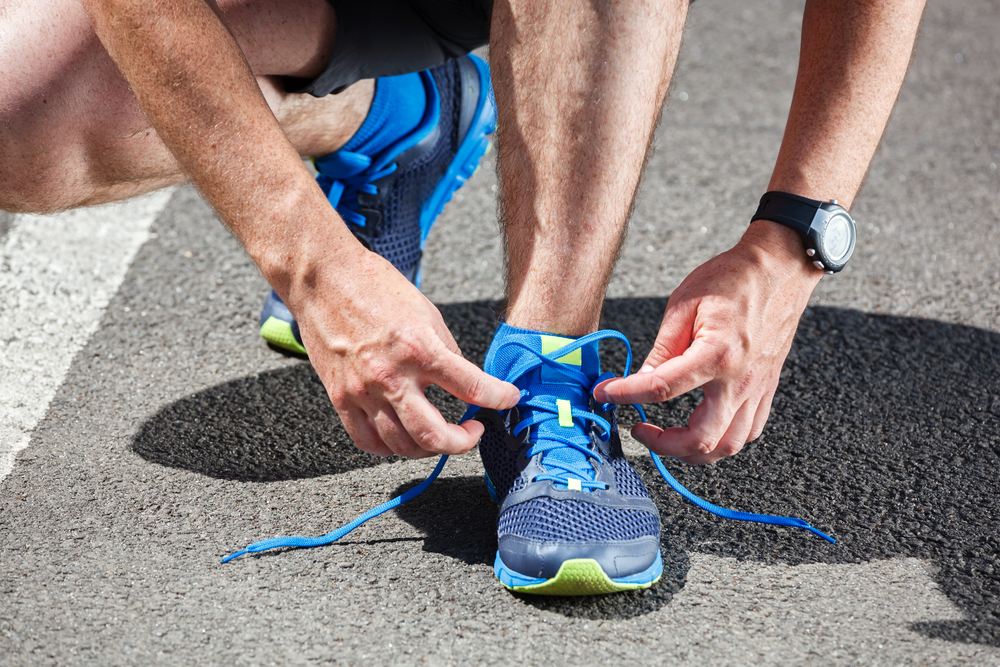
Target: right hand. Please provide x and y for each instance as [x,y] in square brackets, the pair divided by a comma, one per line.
[377,343]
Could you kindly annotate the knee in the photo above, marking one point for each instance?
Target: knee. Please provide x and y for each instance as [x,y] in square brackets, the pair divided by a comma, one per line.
[22,191]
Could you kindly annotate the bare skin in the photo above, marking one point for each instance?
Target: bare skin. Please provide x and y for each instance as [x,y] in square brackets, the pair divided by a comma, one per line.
[579,86]
[198,90]
[72,133]
[730,324]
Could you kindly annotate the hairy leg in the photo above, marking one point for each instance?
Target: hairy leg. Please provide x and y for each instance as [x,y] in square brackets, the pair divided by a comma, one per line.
[579,86]
[72,134]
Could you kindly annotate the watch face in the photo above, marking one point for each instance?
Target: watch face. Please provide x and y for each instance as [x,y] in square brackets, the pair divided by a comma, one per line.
[837,238]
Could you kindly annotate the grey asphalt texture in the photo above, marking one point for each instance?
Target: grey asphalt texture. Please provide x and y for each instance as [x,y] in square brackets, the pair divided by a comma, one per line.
[178,437]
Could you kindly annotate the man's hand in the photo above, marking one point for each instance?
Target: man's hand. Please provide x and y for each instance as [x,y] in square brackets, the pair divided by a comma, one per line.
[377,343]
[728,329]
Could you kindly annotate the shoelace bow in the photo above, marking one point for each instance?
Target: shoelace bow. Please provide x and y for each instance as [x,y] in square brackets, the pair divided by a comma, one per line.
[544,410]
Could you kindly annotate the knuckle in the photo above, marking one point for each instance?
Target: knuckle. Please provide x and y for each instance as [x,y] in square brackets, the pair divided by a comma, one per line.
[660,350]
[382,374]
[412,349]
[706,444]
[385,380]
[431,441]
[661,392]
[729,448]
[727,356]
[477,389]
[338,397]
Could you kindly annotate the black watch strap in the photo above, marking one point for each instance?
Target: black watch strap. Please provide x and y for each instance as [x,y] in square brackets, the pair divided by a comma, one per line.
[788,209]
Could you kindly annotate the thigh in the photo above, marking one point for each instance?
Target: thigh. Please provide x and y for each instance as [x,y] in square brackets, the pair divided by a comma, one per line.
[65,112]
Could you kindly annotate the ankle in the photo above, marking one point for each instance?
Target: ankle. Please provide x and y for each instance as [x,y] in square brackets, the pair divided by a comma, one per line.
[558,321]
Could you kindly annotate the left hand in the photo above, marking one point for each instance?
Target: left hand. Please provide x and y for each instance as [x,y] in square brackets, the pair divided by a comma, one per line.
[727,328]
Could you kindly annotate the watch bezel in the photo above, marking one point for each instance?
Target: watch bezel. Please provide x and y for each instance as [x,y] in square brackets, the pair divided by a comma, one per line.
[825,214]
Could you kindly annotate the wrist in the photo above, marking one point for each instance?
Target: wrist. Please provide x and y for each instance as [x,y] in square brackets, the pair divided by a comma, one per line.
[299,237]
[781,252]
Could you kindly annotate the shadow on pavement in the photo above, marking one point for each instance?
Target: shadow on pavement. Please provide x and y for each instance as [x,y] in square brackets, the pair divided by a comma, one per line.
[262,428]
[885,433]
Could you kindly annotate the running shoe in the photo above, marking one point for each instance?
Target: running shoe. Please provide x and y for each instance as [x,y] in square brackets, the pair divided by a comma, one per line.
[391,199]
[574,519]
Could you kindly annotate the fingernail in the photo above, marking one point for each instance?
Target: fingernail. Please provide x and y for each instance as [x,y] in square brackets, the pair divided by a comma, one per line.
[646,368]
[601,395]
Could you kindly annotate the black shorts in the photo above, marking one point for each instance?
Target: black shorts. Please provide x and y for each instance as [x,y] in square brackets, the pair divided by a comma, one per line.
[388,37]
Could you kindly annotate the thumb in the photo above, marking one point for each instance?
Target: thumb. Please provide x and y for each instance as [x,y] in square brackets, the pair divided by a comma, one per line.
[467,382]
[675,334]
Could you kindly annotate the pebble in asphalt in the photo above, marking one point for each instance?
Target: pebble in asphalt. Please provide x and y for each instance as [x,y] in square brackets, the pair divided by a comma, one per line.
[176,437]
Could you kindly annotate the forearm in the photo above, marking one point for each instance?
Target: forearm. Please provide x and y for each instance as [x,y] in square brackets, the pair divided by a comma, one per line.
[854,56]
[196,88]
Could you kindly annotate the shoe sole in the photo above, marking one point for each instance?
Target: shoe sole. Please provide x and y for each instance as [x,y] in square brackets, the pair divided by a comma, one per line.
[463,166]
[279,334]
[576,576]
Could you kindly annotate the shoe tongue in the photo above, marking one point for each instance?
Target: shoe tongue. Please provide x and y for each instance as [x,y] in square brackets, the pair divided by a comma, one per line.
[567,391]
[560,384]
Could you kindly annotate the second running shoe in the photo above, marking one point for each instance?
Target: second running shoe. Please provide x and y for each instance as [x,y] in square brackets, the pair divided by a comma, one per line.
[391,198]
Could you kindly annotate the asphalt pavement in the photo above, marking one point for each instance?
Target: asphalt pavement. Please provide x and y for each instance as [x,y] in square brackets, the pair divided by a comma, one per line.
[149,432]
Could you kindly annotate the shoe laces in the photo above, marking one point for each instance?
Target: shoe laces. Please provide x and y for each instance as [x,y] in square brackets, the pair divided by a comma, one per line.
[343,175]
[545,410]
[571,472]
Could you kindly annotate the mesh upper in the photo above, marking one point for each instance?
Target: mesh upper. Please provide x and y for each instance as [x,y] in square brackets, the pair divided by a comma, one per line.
[571,521]
[500,463]
[397,237]
[627,481]
[576,516]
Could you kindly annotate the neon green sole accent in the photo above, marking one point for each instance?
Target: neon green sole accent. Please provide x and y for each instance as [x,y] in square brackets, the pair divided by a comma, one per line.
[489,148]
[278,332]
[580,576]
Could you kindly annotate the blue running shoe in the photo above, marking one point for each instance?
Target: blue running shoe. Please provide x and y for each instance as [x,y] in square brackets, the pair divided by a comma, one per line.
[575,519]
[391,199]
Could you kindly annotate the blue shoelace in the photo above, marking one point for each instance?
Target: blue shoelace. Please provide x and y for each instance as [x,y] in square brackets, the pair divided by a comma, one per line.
[345,174]
[544,410]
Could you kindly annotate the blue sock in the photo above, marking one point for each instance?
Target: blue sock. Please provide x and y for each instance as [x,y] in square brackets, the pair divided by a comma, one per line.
[397,108]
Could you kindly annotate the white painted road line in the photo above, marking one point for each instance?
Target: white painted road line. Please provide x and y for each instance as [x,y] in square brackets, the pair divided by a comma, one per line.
[57,275]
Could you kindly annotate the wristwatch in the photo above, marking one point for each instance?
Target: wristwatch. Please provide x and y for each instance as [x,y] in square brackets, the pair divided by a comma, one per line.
[827,229]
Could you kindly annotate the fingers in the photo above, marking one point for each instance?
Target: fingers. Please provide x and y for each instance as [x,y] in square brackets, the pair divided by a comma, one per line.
[467,382]
[396,436]
[672,378]
[429,431]
[363,432]
[763,412]
[412,428]
[675,335]
[714,432]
